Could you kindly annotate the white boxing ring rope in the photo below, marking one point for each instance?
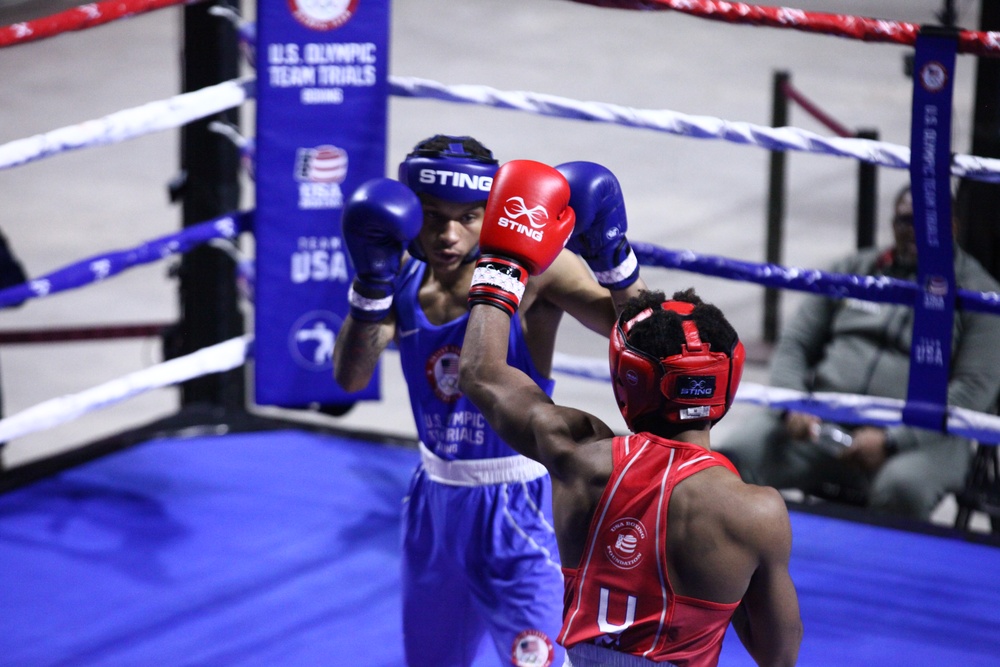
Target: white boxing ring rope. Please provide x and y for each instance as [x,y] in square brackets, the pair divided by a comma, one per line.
[175,112]
[217,358]
[127,124]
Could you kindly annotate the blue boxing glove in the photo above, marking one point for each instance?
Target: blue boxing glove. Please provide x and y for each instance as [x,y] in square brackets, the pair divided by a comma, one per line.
[601,223]
[379,219]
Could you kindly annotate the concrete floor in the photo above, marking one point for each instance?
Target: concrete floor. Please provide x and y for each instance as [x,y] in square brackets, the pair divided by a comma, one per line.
[705,195]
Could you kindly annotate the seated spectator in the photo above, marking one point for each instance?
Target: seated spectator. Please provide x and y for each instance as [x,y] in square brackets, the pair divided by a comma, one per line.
[863,347]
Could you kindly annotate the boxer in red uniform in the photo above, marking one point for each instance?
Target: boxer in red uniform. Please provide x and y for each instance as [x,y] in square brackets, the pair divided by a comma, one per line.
[662,543]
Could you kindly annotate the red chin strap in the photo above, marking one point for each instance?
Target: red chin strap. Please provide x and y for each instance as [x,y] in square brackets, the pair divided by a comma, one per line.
[697,384]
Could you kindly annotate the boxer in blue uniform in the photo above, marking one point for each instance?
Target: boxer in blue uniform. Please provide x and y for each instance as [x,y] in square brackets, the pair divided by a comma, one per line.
[480,562]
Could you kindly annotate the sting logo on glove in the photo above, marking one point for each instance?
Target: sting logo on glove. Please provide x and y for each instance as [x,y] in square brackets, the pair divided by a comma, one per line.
[520,209]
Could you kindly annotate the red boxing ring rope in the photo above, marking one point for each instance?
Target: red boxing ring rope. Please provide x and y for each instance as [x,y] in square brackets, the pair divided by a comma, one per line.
[64,335]
[79,18]
[813,110]
[852,27]
[838,25]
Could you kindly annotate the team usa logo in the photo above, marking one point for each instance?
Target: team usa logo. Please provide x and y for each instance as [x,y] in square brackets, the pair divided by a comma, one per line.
[442,373]
[311,340]
[532,648]
[323,14]
[625,540]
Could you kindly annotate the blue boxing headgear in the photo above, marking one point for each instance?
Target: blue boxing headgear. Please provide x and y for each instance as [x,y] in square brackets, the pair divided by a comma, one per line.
[445,167]
[453,173]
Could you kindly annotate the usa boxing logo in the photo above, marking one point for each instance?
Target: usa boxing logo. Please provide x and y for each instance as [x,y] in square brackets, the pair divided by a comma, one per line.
[624,542]
[319,172]
[323,14]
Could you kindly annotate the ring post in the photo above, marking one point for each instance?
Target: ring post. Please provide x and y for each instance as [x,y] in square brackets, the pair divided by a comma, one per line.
[867,195]
[775,206]
[930,183]
[209,187]
[979,201]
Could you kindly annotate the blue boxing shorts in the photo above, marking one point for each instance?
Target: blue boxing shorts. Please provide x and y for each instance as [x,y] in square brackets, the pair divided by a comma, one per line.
[480,569]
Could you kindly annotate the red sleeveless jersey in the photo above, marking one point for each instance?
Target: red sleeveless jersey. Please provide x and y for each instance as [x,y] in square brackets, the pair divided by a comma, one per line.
[619,597]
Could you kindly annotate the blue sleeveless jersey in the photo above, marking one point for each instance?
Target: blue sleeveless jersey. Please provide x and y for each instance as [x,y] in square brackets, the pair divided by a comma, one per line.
[447,422]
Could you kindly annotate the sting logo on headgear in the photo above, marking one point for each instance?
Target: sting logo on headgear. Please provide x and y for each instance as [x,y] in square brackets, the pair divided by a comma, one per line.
[453,174]
[696,384]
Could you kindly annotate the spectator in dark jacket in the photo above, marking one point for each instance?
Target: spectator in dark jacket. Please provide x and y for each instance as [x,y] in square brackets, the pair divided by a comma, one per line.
[863,347]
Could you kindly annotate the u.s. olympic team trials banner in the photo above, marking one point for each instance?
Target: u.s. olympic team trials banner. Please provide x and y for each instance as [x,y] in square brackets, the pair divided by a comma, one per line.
[322,91]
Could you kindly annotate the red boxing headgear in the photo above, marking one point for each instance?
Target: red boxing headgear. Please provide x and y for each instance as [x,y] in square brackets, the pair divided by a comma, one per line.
[696,384]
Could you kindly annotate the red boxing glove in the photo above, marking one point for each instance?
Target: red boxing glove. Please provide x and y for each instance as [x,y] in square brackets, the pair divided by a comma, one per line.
[527,222]
[528,217]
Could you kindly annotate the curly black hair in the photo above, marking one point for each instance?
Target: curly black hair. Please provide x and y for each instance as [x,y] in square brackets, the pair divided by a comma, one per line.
[662,335]
[443,145]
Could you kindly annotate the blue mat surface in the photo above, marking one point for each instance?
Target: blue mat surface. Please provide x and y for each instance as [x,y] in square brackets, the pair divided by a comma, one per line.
[282,548]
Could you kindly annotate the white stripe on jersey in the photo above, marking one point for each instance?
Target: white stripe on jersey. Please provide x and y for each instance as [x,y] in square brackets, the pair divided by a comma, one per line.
[593,541]
[661,559]
[700,458]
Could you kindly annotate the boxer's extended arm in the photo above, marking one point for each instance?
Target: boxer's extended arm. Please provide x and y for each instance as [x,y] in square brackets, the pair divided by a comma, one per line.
[515,407]
[569,286]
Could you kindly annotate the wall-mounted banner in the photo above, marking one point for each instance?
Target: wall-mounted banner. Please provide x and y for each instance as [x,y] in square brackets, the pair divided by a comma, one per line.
[322,91]
[930,183]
